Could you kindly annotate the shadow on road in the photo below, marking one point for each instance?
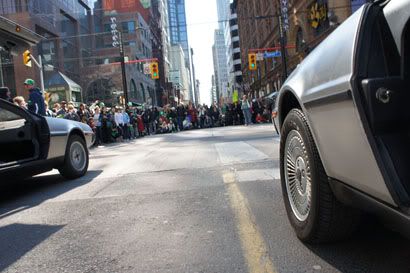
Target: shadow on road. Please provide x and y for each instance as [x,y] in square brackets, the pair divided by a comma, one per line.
[16,196]
[373,248]
[18,239]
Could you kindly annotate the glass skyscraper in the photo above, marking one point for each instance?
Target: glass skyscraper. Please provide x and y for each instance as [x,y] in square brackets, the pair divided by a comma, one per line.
[178,26]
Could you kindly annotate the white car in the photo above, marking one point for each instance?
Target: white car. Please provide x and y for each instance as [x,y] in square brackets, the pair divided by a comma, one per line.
[345,127]
[31,144]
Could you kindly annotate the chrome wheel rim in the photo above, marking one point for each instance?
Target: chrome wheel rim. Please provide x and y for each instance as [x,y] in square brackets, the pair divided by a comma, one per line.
[78,156]
[297,176]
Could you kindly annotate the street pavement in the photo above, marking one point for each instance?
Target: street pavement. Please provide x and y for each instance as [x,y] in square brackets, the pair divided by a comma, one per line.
[196,201]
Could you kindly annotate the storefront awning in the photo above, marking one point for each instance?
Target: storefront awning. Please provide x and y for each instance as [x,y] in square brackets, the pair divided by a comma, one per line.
[58,81]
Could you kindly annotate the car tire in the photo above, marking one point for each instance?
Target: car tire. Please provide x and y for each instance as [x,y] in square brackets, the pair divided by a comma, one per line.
[76,158]
[313,211]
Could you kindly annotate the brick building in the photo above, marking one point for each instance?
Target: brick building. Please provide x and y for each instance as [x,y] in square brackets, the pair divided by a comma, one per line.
[101,77]
[60,22]
[310,21]
[80,61]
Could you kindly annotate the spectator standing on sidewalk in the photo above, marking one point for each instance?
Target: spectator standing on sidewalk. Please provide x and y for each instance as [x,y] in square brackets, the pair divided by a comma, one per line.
[126,124]
[181,114]
[71,113]
[257,107]
[62,110]
[201,115]
[140,125]
[194,116]
[155,119]
[172,115]
[246,109]
[216,114]
[36,100]
[5,94]
[19,101]
[119,123]
[146,116]
[49,112]
[98,125]
[83,113]
[133,123]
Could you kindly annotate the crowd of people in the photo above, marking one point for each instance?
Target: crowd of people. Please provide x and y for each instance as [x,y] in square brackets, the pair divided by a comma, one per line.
[118,123]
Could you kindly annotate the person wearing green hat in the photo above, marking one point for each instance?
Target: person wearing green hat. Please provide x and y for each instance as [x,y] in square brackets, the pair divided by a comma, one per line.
[36,101]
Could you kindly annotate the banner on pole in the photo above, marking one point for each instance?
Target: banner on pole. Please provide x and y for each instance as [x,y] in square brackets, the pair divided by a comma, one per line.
[235,96]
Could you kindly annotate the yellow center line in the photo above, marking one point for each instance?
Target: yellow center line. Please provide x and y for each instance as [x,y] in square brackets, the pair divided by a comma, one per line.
[253,245]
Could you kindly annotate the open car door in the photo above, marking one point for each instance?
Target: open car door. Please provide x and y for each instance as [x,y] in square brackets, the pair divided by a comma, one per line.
[383,88]
[24,137]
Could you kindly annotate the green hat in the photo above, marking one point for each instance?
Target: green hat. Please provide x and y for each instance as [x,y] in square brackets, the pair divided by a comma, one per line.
[29,82]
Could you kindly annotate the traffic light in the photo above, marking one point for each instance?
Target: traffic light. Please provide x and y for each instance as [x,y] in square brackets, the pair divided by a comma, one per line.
[252,61]
[154,71]
[27,58]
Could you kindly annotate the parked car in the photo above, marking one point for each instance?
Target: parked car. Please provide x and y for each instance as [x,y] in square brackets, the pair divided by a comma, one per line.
[345,127]
[31,144]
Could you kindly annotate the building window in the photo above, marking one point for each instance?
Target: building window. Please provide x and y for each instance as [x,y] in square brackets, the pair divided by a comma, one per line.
[128,27]
[133,89]
[233,22]
[234,33]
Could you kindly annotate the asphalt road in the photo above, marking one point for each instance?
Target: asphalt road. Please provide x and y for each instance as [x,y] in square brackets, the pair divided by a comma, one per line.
[197,201]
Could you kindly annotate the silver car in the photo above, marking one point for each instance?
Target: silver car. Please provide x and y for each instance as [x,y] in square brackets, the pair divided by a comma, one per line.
[345,127]
[31,144]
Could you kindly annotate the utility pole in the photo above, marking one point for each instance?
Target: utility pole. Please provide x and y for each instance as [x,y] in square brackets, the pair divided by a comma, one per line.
[39,65]
[124,75]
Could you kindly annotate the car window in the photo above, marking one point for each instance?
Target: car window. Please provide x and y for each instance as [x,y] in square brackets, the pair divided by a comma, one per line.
[9,120]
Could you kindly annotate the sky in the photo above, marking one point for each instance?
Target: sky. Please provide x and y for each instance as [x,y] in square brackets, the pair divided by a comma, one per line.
[202,21]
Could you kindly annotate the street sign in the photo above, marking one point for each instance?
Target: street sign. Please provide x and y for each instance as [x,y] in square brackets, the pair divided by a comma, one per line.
[147,69]
[273,54]
[285,16]
[175,76]
[259,57]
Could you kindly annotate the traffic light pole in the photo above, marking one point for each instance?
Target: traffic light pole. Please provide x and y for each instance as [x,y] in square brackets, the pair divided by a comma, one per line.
[39,64]
[124,75]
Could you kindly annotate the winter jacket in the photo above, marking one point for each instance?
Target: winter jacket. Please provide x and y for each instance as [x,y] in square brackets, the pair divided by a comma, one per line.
[36,102]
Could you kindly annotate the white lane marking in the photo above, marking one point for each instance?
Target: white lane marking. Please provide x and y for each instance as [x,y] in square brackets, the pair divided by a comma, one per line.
[234,152]
[258,175]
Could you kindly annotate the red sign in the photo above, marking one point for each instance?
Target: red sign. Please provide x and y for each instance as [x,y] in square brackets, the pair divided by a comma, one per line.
[108,5]
[126,6]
